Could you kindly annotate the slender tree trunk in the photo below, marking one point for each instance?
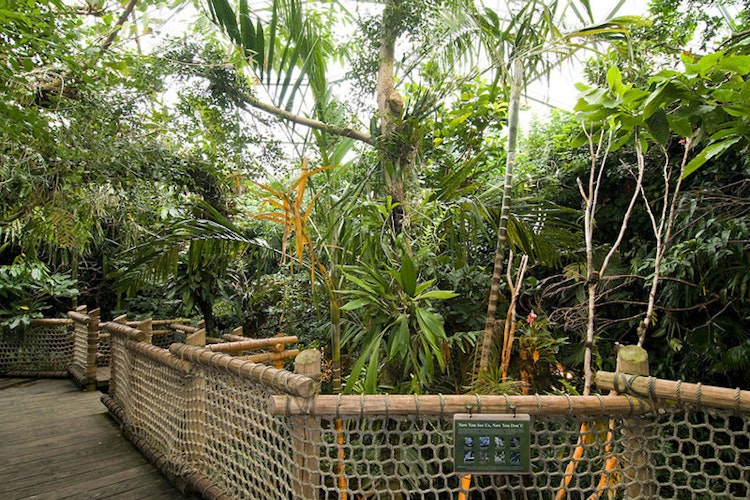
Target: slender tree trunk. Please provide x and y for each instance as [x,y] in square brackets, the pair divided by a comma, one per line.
[590,197]
[510,318]
[205,306]
[502,228]
[662,233]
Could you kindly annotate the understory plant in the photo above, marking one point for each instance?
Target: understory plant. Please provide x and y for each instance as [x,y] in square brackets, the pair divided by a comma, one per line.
[399,336]
[27,287]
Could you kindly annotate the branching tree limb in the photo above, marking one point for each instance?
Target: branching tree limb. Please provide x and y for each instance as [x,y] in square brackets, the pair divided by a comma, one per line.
[662,232]
[249,100]
[599,151]
[118,25]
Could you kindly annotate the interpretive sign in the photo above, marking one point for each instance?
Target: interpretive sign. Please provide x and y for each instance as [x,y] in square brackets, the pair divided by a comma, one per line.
[491,444]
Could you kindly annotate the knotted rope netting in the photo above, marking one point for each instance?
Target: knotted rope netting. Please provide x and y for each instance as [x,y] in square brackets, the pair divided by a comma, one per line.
[235,429]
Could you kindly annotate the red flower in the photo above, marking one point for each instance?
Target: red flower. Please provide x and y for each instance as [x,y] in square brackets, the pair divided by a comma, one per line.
[530,318]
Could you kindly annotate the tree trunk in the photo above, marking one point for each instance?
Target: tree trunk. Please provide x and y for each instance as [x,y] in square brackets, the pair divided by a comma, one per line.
[396,160]
[502,228]
[207,311]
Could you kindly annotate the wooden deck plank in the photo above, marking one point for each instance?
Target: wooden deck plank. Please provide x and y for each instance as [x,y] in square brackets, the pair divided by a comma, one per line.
[58,442]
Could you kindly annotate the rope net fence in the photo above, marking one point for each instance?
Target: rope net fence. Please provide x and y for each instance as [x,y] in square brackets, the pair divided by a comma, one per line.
[44,348]
[230,428]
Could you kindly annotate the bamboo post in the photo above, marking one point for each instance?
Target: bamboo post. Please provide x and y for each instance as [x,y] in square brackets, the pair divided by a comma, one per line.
[92,340]
[82,368]
[305,433]
[636,470]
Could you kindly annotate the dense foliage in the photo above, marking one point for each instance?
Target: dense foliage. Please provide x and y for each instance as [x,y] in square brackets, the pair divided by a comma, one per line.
[166,180]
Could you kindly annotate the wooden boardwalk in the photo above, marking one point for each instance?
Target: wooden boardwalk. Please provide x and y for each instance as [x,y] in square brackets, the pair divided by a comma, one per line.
[58,442]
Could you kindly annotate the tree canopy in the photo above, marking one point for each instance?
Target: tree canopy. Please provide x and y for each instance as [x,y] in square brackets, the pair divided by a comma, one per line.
[352,173]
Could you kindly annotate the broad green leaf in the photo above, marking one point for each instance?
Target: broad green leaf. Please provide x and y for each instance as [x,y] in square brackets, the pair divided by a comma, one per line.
[431,324]
[437,294]
[710,151]
[408,275]
[727,132]
[370,351]
[658,125]
[705,64]
[371,377]
[680,125]
[654,101]
[355,304]
[614,80]
[738,64]
[422,287]
[737,110]
[399,341]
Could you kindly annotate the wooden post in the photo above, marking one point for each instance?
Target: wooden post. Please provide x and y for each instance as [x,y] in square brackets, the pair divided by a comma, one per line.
[305,434]
[636,470]
[93,348]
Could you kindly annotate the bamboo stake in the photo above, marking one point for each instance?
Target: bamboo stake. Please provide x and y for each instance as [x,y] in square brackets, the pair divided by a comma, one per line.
[571,467]
[92,342]
[463,492]
[606,481]
[52,321]
[159,355]
[510,320]
[183,328]
[341,480]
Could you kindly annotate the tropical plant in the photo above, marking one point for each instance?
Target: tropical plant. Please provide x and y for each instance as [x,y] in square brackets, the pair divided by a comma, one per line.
[531,35]
[28,289]
[192,257]
[399,336]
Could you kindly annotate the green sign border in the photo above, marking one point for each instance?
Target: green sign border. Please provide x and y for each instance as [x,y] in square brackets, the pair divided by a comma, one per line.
[492,444]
